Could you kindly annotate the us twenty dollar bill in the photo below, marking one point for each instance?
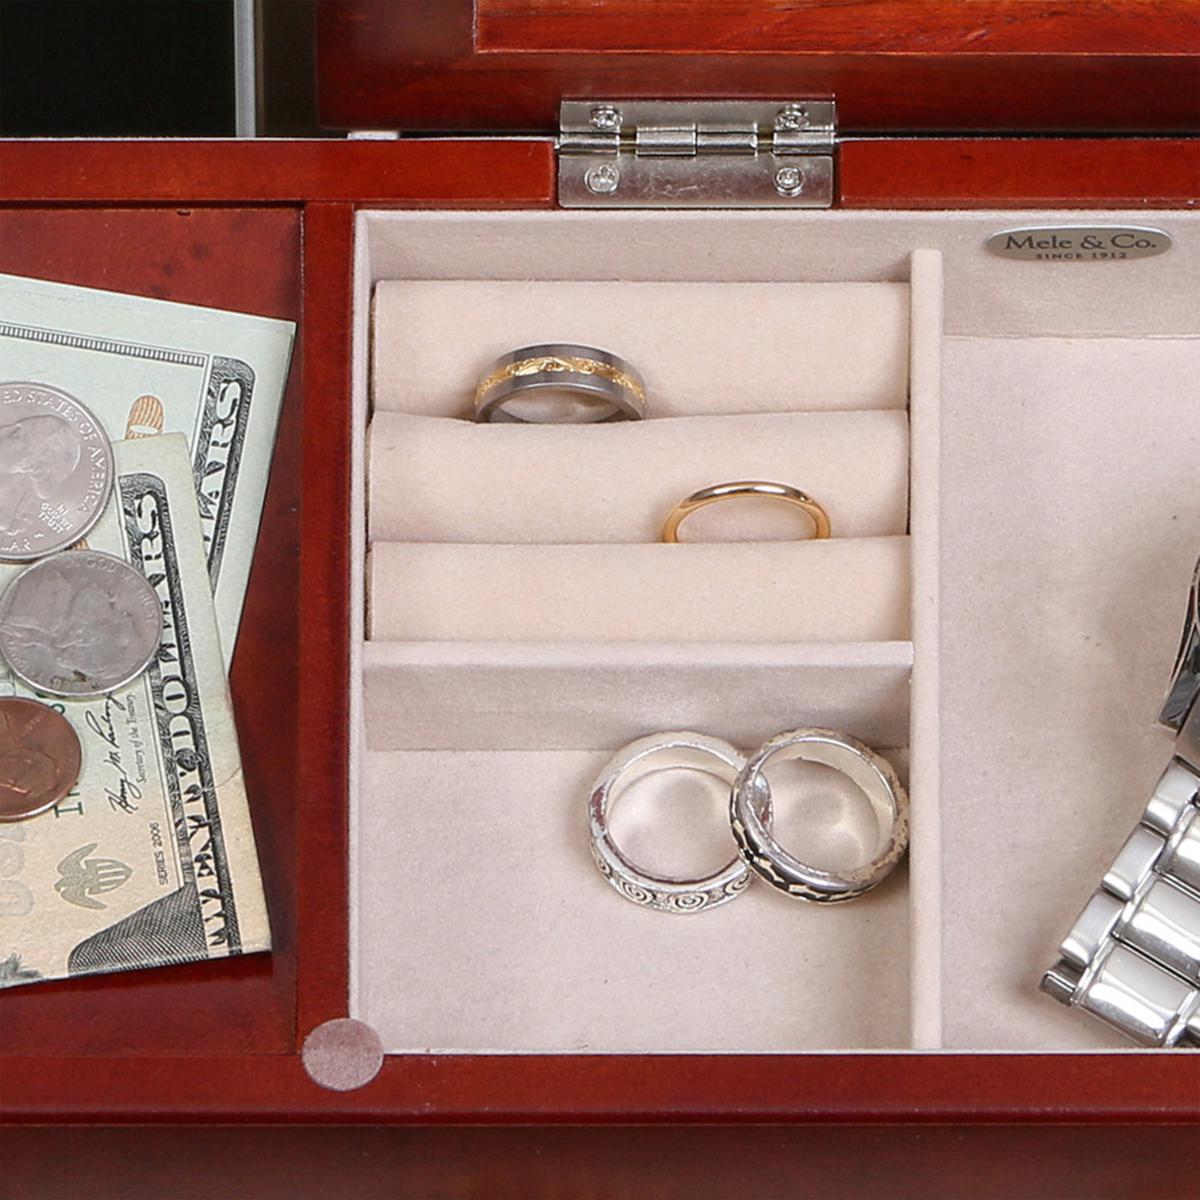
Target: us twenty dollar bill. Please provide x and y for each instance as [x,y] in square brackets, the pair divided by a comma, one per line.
[146,367]
[151,858]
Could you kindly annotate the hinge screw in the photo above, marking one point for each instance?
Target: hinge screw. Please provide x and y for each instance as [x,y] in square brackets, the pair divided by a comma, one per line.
[602,180]
[606,118]
[789,181]
[791,117]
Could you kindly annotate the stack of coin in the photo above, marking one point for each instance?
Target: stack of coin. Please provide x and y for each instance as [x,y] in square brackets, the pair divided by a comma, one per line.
[76,623]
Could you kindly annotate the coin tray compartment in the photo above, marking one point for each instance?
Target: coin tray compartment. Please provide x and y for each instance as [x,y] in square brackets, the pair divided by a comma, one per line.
[245,258]
[476,749]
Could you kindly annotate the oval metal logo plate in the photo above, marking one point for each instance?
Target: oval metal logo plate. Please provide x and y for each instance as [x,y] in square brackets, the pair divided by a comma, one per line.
[1079,243]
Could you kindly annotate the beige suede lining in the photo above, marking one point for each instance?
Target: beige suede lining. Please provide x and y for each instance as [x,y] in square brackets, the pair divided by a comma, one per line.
[438,480]
[745,348]
[557,626]
[998,615]
[853,590]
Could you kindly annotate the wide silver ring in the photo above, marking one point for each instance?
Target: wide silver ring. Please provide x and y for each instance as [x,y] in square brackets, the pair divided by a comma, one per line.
[665,752]
[560,383]
[872,773]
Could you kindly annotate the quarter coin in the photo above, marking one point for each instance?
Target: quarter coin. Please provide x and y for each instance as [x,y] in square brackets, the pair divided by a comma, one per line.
[39,758]
[78,624]
[56,470]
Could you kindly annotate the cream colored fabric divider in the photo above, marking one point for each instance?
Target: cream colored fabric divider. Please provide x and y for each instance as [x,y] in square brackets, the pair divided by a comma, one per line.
[848,591]
[439,480]
[925,818]
[986,296]
[550,696]
[712,347]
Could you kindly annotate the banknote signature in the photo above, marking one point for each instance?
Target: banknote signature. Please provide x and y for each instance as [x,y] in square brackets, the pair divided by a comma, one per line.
[125,793]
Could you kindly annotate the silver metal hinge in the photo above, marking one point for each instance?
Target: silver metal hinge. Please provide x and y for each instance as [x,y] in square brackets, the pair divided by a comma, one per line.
[697,154]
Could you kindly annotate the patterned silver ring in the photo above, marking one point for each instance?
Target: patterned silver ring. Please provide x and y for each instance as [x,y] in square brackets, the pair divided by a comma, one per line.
[665,752]
[872,773]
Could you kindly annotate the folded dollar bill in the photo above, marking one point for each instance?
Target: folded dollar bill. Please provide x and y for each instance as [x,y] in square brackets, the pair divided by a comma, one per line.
[151,859]
[146,367]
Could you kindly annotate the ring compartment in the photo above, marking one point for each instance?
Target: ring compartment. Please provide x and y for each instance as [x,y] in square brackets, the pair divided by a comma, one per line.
[704,346]
[434,479]
[505,736]
[484,927]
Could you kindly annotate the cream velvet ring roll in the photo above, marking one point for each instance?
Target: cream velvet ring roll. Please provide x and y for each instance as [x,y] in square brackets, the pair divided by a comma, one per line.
[701,347]
[438,480]
[831,591]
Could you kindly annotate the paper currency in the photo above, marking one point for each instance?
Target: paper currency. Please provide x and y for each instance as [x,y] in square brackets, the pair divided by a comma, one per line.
[150,859]
[145,367]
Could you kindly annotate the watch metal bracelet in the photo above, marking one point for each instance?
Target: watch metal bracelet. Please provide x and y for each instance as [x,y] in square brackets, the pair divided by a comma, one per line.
[1133,956]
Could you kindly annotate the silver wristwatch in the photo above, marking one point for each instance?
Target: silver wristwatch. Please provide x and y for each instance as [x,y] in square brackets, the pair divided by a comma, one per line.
[1133,956]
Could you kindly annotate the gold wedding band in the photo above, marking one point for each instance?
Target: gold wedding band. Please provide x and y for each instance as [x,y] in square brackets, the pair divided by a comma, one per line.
[727,491]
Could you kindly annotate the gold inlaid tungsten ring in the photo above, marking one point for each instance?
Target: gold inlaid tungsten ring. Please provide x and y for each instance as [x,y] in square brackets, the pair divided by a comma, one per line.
[747,487]
[560,383]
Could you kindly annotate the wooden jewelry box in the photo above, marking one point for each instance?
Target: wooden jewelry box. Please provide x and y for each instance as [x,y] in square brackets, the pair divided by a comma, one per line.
[1048,519]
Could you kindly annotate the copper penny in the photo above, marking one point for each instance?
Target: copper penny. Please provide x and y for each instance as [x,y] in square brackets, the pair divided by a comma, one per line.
[39,758]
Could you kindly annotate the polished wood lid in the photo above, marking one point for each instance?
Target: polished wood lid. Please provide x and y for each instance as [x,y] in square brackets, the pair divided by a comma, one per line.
[894,66]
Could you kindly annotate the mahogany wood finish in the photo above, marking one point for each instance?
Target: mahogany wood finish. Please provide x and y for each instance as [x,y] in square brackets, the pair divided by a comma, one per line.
[269,228]
[872,1088]
[226,257]
[1019,173]
[457,174]
[878,173]
[324,749]
[668,1163]
[827,26]
[1117,66]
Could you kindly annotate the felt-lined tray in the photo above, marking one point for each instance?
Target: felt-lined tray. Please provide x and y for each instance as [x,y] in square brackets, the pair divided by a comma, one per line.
[525,621]
[1043,402]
